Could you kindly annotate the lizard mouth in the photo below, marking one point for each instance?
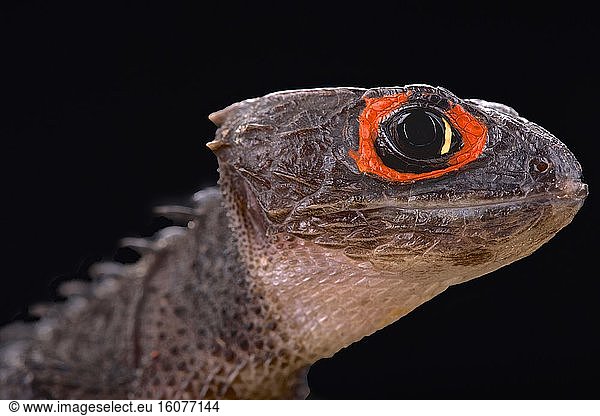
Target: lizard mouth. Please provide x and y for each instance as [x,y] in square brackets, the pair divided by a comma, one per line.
[568,192]
[575,190]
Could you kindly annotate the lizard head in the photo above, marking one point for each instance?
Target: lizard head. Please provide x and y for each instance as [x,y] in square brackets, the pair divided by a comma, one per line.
[409,188]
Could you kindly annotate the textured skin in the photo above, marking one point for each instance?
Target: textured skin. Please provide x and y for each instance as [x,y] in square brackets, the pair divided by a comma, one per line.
[183,322]
[299,255]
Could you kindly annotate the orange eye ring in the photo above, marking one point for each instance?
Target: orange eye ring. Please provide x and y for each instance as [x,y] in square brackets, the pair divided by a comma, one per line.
[473,132]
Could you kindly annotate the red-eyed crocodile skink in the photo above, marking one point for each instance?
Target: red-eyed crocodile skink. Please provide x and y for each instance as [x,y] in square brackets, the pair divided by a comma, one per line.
[338,211]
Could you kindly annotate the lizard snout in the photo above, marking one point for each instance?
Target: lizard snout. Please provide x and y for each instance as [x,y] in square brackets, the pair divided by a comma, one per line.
[559,175]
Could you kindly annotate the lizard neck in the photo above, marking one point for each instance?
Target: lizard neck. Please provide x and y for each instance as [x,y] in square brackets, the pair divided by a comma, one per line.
[207,329]
[322,299]
[330,299]
[326,300]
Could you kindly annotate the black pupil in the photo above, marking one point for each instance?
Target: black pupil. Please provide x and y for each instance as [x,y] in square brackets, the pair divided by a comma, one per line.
[419,128]
[419,134]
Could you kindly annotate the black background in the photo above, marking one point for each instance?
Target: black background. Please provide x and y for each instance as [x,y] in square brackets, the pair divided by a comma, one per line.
[104,116]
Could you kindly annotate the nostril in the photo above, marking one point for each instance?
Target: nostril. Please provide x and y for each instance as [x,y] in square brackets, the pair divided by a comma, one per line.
[539,165]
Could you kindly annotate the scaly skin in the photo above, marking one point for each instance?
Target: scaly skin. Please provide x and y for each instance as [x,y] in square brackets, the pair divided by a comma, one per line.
[301,253]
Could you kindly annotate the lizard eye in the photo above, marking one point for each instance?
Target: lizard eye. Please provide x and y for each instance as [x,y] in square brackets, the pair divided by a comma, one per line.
[408,137]
[417,140]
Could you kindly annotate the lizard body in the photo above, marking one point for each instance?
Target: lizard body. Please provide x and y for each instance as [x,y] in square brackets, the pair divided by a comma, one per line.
[321,232]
